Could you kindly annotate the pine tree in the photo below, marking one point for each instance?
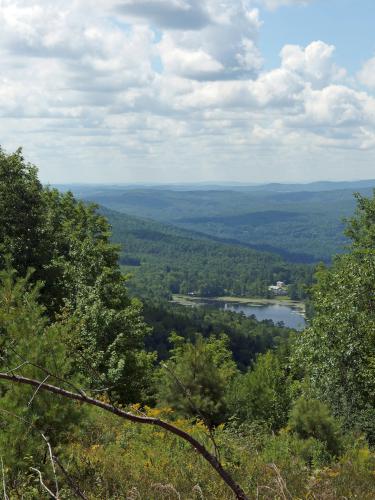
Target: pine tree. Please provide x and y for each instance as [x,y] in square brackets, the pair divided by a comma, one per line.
[195,379]
[32,346]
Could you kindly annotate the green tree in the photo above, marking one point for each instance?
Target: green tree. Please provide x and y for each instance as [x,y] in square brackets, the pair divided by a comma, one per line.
[195,378]
[263,393]
[67,243]
[108,341]
[21,213]
[31,345]
[338,349]
[310,418]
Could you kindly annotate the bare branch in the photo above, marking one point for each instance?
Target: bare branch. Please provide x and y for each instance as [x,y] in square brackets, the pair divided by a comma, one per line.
[18,367]
[56,460]
[36,392]
[211,459]
[43,485]
[52,464]
[4,485]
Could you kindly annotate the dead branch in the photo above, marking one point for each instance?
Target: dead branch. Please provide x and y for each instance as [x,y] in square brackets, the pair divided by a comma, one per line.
[211,459]
[44,486]
[4,485]
[52,463]
[55,459]
[36,391]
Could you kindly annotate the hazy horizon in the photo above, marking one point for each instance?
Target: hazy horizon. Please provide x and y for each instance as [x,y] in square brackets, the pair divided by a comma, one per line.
[213,183]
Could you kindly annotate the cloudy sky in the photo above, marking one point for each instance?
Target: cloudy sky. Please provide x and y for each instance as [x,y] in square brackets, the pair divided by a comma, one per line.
[189,90]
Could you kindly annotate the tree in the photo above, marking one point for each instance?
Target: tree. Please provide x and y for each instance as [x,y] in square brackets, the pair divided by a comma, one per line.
[262,394]
[67,244]
[310,418]
[29,342]
[195,378]
[21,213]
[338,349]
[89,288]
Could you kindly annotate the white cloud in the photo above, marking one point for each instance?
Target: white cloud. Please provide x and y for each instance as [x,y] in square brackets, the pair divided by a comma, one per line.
[367,74]
[141,88]
[223,49]
[188,63]
[314,63]
[169,14]
[339,106]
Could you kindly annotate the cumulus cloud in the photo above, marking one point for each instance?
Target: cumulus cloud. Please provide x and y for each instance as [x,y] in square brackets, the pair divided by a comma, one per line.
[154,84]
[224,49]
[172,14]
[337,105]
[314,62]
[367,74]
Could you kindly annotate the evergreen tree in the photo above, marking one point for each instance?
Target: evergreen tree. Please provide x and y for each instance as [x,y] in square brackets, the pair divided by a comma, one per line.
[30,345]
[195,379]
[310,418]
[263,393]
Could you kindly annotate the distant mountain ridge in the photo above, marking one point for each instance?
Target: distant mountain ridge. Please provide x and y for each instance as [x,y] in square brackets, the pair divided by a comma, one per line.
[83,189]
[301,226]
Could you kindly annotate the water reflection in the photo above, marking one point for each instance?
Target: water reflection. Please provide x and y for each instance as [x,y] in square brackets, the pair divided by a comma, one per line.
[290,316]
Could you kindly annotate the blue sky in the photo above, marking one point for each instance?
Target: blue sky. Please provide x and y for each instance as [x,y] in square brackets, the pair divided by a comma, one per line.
[190,90]
[347,24]
[343,23]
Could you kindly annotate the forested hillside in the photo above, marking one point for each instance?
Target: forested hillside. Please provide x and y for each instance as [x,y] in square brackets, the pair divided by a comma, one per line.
[163,260]
[301,226]
[103,397]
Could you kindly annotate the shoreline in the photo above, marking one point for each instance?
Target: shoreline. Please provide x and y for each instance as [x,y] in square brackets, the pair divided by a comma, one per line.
[250,301]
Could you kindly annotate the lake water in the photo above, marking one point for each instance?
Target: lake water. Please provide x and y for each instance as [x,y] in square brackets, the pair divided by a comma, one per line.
[290,316]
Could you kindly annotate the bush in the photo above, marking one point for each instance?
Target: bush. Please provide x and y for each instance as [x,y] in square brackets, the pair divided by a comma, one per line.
[309,418]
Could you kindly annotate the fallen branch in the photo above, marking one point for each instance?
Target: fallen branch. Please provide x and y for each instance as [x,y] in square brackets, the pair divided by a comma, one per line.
[211,459]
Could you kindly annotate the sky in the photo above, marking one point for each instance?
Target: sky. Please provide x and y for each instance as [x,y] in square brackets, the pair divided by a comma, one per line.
[159,91]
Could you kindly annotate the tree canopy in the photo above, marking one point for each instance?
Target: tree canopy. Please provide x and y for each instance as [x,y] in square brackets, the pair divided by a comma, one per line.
[338,349]
[67,244]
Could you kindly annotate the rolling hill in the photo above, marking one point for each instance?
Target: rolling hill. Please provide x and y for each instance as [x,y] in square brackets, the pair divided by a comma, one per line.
[303,226]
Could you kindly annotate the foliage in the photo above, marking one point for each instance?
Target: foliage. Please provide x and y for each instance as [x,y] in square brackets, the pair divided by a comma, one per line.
[110,341]
[165,260]
[29,342]
[312,419]
[67,243]
[111,459]
[195,378]
[247,337]
[262,394]
[338,350]
[21,213]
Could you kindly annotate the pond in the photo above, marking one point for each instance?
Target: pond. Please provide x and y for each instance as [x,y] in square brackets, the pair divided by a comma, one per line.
[290,315]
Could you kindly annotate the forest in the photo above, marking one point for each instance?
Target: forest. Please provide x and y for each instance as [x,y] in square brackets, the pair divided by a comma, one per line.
[107,394]
[302,224]
[163,260]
